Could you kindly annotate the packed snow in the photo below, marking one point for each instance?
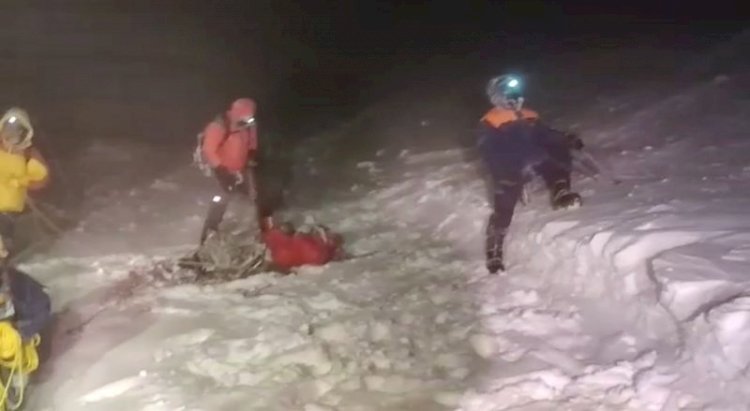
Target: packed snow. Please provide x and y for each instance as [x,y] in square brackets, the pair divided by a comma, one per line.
[639,300]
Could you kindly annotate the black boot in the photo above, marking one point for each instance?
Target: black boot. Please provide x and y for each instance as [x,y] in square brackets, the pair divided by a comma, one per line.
[495,264]
[562,197]
[494,246]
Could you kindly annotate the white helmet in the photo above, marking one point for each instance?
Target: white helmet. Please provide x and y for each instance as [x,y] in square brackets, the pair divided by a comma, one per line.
[506,91]
[16,130]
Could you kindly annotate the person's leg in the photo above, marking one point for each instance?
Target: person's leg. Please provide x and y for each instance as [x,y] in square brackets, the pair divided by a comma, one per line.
[505,197]
[556,175]
[215,215]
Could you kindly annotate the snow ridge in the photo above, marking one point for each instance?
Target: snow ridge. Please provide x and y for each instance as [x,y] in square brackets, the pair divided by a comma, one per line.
[649,275]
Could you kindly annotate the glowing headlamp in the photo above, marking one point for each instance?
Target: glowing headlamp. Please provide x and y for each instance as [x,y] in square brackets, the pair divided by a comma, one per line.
[246,122]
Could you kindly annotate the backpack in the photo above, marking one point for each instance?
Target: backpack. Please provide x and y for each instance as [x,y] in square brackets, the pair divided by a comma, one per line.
[199,159]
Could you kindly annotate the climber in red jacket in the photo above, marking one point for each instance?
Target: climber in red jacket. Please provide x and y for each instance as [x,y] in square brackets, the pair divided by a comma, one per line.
[229,146]
[289,247]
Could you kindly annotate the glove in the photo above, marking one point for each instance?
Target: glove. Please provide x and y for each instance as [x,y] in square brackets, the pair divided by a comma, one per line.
[574,142]
[228,180]
[494,245]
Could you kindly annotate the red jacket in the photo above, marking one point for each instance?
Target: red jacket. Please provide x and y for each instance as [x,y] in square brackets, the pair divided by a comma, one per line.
[289,250]
[234,147]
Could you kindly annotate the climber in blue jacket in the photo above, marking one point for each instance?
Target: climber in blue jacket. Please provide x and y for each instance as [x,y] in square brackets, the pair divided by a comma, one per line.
[515,145]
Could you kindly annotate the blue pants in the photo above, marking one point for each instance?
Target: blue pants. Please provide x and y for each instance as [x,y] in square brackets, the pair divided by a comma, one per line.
[510,159]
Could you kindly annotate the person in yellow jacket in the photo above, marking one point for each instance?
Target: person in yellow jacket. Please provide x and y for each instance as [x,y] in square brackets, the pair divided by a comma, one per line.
[24,306]
[22,168]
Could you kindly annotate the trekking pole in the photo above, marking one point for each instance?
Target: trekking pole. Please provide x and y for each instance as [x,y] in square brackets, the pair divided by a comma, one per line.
[43,217]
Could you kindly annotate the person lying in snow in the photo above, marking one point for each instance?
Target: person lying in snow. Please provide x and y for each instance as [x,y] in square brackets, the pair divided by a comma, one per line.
[24,300]
[311,244]
[26,306]
[514,145]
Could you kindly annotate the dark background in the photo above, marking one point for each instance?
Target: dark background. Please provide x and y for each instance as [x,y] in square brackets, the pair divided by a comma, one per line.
[155,71]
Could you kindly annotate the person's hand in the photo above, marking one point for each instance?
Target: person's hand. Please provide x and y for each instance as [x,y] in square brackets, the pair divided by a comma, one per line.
[239,178]
[574,142]
[18,182]
[229,180]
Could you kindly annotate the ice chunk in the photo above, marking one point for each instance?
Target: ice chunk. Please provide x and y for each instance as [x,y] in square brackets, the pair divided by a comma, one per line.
[448,398]
[111,390]
[391,383]
[333,333]
[483,345]
[650,244]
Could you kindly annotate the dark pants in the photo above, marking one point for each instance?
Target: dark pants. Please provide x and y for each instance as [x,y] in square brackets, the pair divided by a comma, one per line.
[510,153]
[246,191]
[507,189]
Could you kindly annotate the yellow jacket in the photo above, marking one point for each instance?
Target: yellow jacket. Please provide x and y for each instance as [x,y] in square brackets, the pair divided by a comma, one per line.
[17,173]
[21,168]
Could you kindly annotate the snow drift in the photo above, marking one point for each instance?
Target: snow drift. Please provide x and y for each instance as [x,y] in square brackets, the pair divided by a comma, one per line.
[655,269]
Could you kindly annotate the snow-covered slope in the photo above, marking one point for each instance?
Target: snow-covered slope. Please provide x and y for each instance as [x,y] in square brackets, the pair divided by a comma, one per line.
[637,301]
[384,331]
[639,298]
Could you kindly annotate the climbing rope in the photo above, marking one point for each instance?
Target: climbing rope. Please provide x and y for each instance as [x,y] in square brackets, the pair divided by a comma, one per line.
[16,357]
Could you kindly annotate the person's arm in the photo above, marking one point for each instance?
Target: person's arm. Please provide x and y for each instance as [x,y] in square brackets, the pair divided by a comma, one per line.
[571,140]
[554,143]
[213,137]
[574,142]
[37,170]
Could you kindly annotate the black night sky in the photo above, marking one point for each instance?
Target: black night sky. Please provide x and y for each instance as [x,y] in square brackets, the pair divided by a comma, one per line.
[120,69]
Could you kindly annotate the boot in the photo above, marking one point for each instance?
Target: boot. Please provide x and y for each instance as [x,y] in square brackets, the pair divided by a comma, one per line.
[214,217]
[563,198]
[494,237]
[495,263]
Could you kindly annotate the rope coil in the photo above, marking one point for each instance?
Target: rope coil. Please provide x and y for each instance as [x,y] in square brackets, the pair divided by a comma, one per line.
[16,356]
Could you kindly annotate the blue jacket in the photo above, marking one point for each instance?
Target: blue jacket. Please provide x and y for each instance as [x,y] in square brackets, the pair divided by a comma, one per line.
[512,143]
[32,304]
